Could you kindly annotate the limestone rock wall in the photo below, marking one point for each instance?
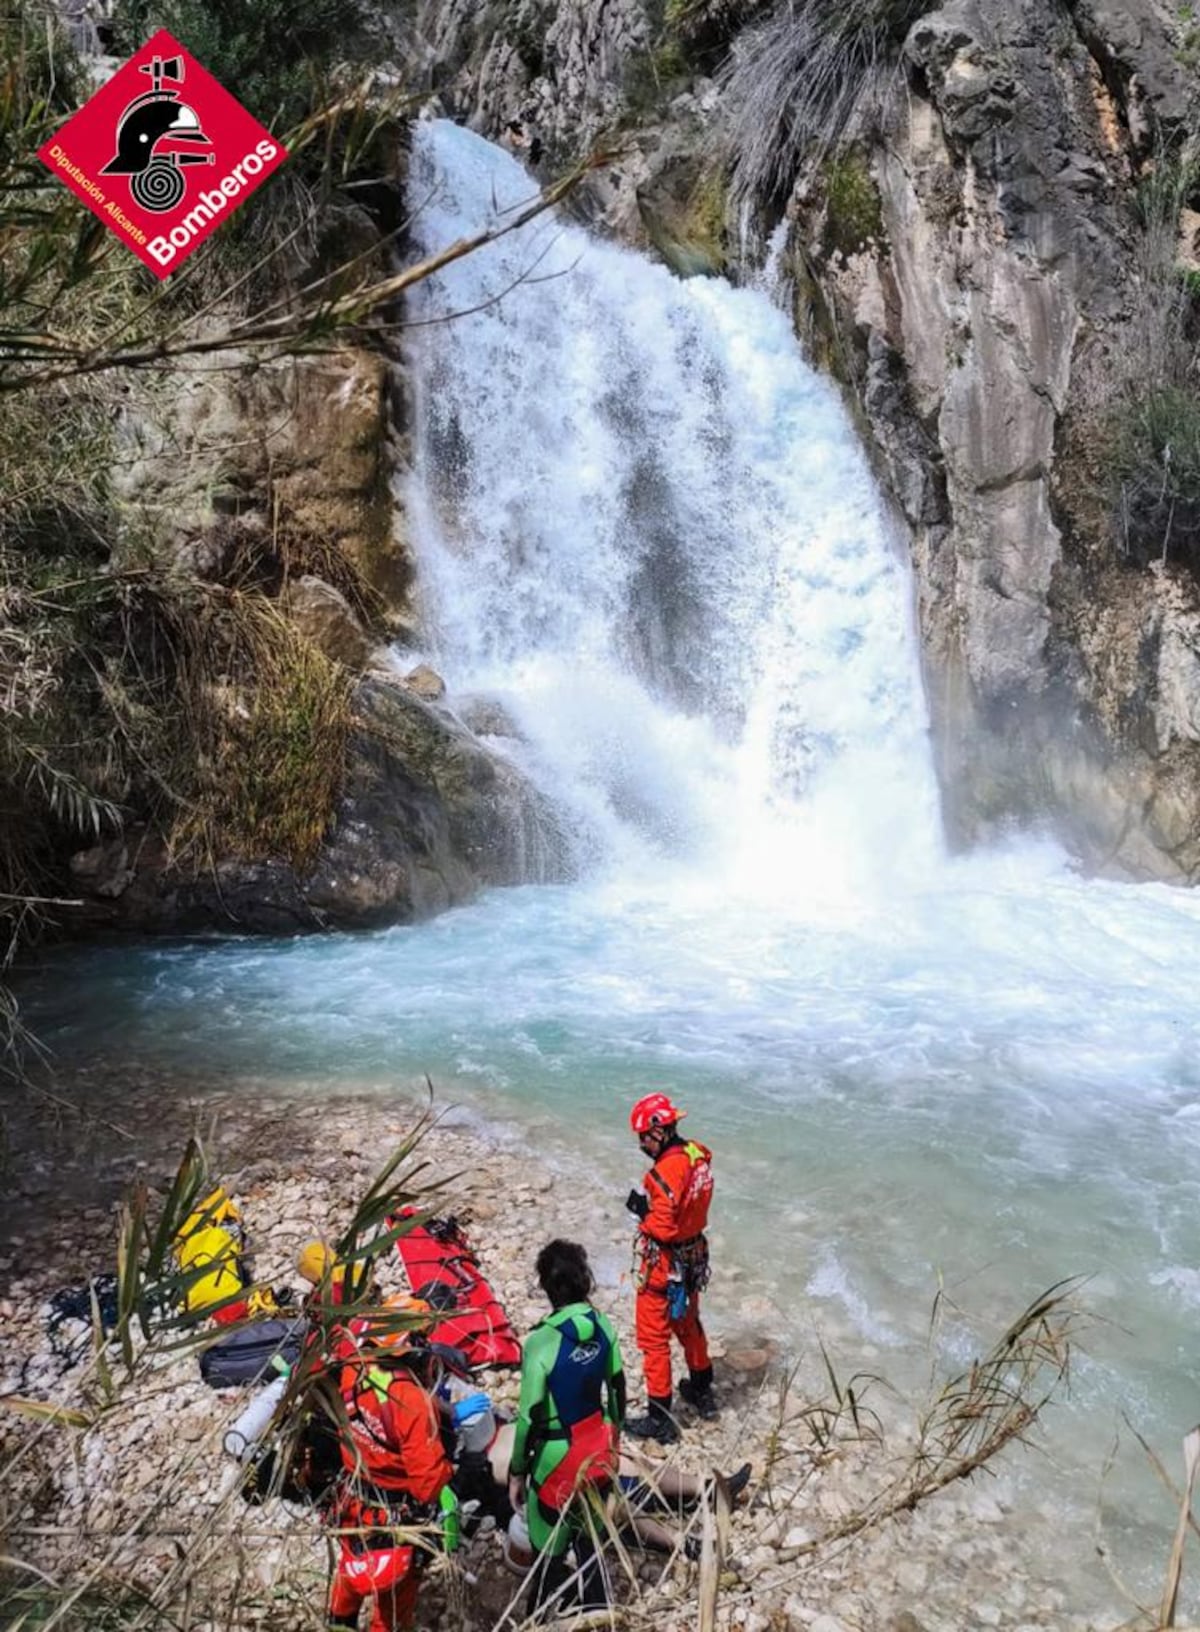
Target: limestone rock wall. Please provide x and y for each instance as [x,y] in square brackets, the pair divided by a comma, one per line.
[982,325]
[305,444]
[555,68]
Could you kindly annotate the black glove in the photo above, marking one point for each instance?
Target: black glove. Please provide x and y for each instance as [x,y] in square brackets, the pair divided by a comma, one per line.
[637,1203]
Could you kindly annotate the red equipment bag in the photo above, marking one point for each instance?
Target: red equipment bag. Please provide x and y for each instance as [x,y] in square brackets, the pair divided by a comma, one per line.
[443,1270]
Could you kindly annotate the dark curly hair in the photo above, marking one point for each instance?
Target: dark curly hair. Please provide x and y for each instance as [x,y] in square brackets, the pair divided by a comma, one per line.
[564,1272]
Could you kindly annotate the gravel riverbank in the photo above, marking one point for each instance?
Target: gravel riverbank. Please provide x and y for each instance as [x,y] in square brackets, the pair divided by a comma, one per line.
[143,1502]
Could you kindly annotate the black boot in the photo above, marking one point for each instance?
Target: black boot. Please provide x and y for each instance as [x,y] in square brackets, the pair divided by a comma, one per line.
[697,1390]
[593,1576]
[657,1424]
[546,1595]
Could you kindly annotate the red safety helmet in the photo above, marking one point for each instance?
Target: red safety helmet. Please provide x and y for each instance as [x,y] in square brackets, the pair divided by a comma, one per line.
[653,1111]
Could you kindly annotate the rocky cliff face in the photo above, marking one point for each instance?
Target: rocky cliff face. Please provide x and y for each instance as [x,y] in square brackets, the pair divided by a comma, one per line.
[279,475]
[986,319]
[974,275]
[976,306]
[556,69]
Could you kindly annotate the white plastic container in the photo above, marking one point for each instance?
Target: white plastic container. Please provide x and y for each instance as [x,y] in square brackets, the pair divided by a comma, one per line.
[243,1435]
[516,1546]
[474,1421]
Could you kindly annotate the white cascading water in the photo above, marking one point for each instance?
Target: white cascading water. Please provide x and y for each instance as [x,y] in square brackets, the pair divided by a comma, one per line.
[646,525]
[645,528]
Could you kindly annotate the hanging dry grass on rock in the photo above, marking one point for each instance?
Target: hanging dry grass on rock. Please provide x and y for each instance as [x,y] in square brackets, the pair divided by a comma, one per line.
[811,74]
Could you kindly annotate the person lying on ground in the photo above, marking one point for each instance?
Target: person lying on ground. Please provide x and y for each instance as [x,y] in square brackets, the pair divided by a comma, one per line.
[645,1489]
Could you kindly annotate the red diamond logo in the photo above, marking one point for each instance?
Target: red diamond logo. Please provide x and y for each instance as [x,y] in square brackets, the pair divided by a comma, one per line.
[163,154]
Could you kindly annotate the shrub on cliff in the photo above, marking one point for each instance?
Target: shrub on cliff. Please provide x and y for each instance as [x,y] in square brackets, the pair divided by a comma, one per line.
[1158,463]
[1154,421]
[275,56]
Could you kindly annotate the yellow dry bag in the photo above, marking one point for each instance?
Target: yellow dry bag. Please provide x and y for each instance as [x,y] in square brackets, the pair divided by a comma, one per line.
[210,1239]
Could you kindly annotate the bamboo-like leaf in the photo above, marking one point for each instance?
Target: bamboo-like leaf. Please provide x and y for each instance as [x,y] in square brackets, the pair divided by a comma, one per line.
[1191,1462]
[832,1375]
[181,1198]
[46,1411]
[99,1356]
[129,1235]
[724,1521]
[710,1574]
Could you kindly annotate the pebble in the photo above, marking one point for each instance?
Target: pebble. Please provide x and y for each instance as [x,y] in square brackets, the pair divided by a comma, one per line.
[746,1362]
[911,1576]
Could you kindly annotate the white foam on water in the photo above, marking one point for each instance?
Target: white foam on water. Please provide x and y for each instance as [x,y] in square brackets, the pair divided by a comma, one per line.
[647,526]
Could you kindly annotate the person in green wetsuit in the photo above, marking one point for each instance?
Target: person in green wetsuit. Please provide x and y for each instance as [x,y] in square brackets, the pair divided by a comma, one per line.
[567,1431]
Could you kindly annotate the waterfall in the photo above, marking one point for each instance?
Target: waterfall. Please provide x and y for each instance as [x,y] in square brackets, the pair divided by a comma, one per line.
[645,527]
[648,537]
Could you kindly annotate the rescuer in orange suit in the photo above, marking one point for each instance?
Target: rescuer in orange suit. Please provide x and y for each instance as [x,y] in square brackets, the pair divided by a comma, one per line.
[671,1259]
[395,1472]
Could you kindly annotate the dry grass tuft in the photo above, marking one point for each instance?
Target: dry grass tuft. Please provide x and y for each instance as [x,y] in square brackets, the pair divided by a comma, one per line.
[262,718]
[813,74]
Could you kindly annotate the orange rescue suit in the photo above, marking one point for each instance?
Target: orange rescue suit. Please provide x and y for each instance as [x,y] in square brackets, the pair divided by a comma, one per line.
[393,1441]
[396,1465]
[671,1246]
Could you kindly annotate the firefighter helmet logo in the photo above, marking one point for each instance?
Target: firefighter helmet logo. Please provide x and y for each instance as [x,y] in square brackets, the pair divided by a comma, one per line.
[147,132]
[162,153]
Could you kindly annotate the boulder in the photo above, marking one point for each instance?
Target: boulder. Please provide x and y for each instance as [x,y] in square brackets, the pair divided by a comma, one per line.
[486,717]
[428,815]
[324,615]
[104,870]
[425,682]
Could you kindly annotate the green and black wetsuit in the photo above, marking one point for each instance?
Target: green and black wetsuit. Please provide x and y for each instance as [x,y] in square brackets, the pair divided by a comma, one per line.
[571,1410]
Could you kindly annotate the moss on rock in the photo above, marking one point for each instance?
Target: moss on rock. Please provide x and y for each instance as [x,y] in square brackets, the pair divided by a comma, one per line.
[853,215]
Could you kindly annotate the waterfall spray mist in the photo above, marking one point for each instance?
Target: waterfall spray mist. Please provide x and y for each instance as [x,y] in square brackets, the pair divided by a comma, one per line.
[646,524]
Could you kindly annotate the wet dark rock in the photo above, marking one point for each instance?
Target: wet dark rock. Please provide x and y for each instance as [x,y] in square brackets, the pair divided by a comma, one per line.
[428,815]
